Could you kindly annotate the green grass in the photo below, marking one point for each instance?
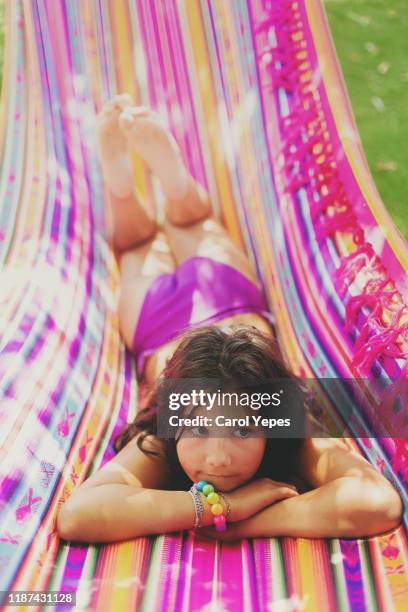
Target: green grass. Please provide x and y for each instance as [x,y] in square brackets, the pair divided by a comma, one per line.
[371,42]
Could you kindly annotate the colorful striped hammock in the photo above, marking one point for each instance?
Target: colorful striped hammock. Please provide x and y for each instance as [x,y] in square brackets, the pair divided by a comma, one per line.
[253,93]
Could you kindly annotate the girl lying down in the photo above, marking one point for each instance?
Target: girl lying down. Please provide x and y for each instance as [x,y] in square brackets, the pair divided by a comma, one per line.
[191,308]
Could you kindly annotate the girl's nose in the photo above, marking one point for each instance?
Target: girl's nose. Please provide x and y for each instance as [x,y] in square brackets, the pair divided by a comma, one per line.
[217,454]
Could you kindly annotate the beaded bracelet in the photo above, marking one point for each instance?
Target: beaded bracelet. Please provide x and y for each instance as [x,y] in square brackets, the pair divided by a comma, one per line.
[213,499]
[227,504]
[198,507]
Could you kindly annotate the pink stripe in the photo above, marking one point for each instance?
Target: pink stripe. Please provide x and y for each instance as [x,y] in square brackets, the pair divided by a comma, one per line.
[157,82]
[60,44]
[232,566]
[173,94]
[196,160]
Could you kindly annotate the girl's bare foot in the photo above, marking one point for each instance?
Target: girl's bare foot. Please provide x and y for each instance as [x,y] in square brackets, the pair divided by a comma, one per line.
[114,148]
[157,147]
[187,201]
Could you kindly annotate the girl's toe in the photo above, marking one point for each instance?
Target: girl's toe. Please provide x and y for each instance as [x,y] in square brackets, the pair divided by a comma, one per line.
[126,120]
[123,100]
[139,111]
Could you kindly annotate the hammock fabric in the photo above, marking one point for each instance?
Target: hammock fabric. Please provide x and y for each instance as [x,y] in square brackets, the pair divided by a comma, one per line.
[253,93]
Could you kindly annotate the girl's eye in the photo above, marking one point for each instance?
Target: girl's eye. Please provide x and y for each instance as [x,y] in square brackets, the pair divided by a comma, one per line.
[242,432]
[199,431]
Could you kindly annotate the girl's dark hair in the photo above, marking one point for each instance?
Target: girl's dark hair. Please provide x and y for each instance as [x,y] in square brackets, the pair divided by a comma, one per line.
[239,353]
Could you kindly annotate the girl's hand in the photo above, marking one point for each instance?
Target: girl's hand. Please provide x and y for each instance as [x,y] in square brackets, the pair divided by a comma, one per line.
[253,497]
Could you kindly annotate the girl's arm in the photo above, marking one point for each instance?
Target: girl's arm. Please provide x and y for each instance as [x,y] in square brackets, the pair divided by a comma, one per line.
[126,499]
[346,507]
[350,499]
[114,512]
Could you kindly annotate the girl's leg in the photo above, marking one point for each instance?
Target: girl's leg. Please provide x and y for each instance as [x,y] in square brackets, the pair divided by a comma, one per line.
[189,225]
[138,268]
[131,220]
[142,253]
[208,238]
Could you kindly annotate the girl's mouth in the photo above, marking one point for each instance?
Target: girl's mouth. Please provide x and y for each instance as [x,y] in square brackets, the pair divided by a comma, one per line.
[221,476]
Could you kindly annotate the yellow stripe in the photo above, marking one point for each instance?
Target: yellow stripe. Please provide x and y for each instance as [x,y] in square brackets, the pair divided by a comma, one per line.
[125,77]
[211,118]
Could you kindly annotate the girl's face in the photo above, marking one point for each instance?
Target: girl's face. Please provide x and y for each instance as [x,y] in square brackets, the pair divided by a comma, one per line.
[227,462]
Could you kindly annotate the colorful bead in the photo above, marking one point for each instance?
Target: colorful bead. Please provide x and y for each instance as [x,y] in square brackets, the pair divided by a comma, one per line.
[219,519]
[221,527]
[213,497]
[200,485]
[217,509]
[208,488]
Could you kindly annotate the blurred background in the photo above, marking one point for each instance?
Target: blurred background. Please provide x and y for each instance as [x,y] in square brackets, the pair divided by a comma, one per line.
[371,38]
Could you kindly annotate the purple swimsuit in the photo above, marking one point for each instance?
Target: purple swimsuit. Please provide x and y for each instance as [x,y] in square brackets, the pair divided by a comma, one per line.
[201,291]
